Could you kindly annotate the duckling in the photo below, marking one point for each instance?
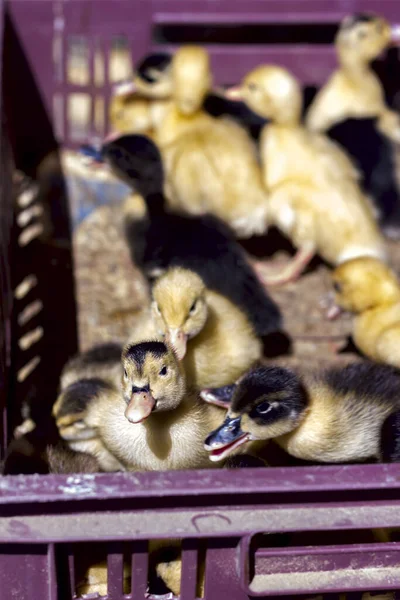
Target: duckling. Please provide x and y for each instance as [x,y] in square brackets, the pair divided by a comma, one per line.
[212,336]
[348,109]
[211,164]
[155,423]
[371,290]
[153,79]
[354,90]
[314,195]
[160,239]
[85,379]
[334,416]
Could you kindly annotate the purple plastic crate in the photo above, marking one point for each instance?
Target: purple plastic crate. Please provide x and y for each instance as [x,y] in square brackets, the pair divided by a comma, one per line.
[45,520]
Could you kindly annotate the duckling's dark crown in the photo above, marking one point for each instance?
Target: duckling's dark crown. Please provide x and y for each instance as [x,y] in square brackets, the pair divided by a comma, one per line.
[268,381]
[138,352]
[358,18]
[137,160]
[160,61]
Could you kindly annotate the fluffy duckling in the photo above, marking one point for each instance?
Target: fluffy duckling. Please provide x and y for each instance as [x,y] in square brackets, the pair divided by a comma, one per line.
[85,380]
[335,416]
[155,424]
[153,79]
[159,239]
[371,290]
[211,164]
[214,337]
[314,195]
[348,109]
[354,90]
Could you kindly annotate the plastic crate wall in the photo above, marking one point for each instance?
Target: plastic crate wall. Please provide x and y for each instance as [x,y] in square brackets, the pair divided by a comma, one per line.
[72,44]
[44,520]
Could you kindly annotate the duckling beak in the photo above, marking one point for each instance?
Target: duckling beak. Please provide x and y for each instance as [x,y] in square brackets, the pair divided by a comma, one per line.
[140,406]
[222,441]
[178,340]
[219,396]
[124,87]
[234,93]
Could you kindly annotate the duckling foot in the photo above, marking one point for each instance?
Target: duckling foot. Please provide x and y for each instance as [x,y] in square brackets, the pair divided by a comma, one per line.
[291,272]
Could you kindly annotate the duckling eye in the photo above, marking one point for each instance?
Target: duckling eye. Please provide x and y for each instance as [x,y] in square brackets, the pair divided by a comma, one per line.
[125,374]
[163,371]
[263,408]
[252,87]
[193,307]
[337,287]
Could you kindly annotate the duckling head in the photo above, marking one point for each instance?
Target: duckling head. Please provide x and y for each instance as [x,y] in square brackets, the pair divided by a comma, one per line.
[364,283]
[153,380]
[137,161]
[191,78]
[179,307]
[363,37]
[153,76]
[271,92]
[267,403]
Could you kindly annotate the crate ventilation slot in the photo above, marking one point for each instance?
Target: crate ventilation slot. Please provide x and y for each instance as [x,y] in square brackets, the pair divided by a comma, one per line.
[222,34]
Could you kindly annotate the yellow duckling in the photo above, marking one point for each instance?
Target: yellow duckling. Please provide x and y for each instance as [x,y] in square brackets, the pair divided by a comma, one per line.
[370,289]
[213,336]
[313,192]
[211,163]
[354,90]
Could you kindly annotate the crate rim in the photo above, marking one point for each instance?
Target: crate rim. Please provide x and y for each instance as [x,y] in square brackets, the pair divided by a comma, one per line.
[19,489]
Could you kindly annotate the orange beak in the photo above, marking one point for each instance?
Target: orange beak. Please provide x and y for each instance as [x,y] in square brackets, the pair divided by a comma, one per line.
[178,340]
[140,406]
[234,93]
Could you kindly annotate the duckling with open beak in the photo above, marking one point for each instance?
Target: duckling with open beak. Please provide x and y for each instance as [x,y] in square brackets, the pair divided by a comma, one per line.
[339,415]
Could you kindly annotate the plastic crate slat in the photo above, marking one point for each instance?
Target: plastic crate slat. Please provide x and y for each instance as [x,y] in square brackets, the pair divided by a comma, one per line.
[115,566]
[199,522]
[140,567]
[190,556]
[282,480]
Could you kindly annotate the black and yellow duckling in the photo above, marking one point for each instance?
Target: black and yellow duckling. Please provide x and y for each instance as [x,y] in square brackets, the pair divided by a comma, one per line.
[349,107]
[85,379]
[340,415]
[153,423]
[354,90]
[160,239]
